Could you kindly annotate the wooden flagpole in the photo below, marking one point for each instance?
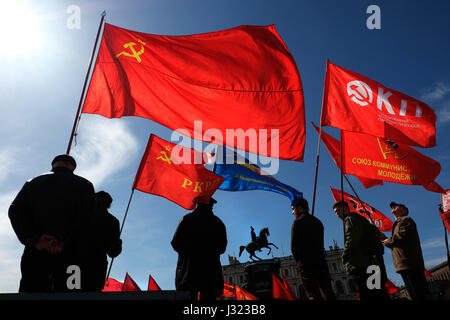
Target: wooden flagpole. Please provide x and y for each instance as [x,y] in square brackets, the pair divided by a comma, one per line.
[324,100]
[78,115]
[120,233]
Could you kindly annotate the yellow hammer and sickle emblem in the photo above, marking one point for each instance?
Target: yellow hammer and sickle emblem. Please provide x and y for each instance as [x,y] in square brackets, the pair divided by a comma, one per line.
[390,149]
[164,157]
[134,54]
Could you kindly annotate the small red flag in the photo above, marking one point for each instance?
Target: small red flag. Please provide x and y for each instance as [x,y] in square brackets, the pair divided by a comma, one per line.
[152,285]
[242,78]
[356,103]
[334,148]
[279,290]
[288,287]
[380,220]
[241,294]
[229,291]
[163,173]
[112,285]
[427,273]
[390,287]
[129,284]
[377,158]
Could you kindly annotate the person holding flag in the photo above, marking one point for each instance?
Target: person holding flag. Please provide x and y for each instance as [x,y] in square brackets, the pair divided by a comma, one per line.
[407,253]
[308,251]
[362,249]
[199,240]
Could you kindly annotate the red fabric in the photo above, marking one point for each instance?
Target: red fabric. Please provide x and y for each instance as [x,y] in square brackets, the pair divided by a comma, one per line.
[129,284]
[228,290]
[356,103]
[427,273]
[390,287]
[112,285]
[152,285]
[446,219]
[380,220]
[376,158]
[241,294]
[434,187]
[240,78]
[279,290]
[184,184]
[289,288]
[334,148]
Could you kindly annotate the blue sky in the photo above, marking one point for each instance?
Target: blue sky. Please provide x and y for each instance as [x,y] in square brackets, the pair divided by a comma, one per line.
[43,73]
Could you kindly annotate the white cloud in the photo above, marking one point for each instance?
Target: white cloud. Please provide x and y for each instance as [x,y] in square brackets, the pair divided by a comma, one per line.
[433,243]
[11,251]
[437,92]
[105,147]
[7,159]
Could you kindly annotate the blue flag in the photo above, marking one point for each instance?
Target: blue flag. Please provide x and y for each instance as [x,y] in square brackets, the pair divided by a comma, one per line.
[240,175]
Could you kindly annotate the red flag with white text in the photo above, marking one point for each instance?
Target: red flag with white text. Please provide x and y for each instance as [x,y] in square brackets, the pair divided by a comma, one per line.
[170,171]
[380,220]
[356,103]
[242,79]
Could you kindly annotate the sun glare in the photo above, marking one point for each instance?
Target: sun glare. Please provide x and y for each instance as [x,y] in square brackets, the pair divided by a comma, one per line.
[19,29]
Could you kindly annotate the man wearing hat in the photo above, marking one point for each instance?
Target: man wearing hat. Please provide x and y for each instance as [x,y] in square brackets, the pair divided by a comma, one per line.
[200,239]
[407,253]
[309,253]
[49,215]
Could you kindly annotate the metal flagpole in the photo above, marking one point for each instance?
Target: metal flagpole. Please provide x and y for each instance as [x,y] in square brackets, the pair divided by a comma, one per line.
[324,96]
[78,115]
[120,233]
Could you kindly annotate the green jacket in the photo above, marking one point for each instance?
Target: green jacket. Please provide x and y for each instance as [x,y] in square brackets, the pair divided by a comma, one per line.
[361,243]
[405,245]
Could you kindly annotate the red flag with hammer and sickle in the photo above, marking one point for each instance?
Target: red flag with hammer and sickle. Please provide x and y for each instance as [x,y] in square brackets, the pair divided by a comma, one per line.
[176,173]
[242,79]
[353,102]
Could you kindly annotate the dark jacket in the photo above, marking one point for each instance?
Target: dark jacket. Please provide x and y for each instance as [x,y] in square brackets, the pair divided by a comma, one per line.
[102,239]
[405,245]
[361,244]
[307,241]
[58,203]
[200,239]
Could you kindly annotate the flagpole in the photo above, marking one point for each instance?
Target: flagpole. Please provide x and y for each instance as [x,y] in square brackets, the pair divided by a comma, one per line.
[120,233]
[324,98]
[354,191]
[78,115]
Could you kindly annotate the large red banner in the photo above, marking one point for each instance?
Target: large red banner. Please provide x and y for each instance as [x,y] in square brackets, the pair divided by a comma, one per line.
[380,220]
[334,148]
[183,183]
[353,102]
[243,80]
[377,158]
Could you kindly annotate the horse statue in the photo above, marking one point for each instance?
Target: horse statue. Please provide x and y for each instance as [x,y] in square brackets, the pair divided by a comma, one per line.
[257,243]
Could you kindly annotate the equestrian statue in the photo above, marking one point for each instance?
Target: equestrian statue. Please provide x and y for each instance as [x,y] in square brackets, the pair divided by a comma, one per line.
[257,243]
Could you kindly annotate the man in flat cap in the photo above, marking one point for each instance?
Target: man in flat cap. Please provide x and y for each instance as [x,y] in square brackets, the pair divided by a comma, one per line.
[407,253]
[200,239]
[49,215]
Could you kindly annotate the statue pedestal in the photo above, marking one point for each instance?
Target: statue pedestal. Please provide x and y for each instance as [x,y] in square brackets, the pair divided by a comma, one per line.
[259,278]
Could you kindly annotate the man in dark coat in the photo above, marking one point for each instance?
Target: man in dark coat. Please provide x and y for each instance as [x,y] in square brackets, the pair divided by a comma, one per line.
[407,253]
[362,248]
[49,216]
[102,239]
[200,239]
[309,253]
